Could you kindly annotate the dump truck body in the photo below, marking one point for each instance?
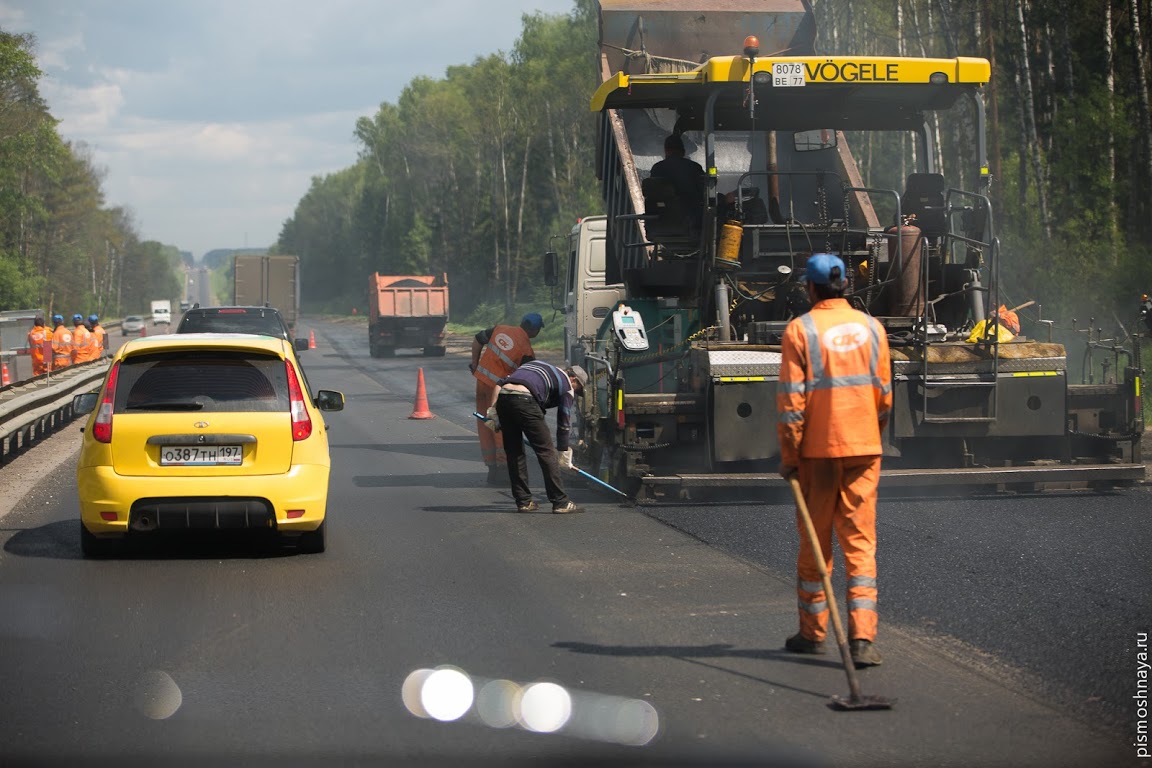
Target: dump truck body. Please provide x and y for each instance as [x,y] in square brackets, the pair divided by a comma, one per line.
[268,281]
[407,312]
[696,406]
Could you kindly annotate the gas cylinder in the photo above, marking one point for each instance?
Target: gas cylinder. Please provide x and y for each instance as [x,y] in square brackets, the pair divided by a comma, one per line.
[906,269]
[730,235]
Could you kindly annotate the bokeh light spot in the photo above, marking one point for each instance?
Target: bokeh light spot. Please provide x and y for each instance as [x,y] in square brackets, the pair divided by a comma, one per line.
[496,703]
[545,707]
[157,696]
[447,694]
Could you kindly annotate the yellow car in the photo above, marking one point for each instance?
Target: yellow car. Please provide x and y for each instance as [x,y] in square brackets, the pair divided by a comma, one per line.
[203,431]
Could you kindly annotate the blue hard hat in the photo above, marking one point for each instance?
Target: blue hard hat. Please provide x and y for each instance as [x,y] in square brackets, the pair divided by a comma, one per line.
[57,319]
[820,266]
[93,319]
[532,320]
[77,318]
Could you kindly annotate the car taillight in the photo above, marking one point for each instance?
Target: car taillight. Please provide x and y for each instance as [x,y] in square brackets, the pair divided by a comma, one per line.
[301,421]
[102,427]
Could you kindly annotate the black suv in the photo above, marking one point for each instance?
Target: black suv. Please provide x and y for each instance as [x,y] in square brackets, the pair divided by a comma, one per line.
[264,321]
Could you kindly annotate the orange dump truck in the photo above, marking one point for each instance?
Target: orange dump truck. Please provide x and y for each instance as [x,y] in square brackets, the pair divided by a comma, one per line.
[407,312]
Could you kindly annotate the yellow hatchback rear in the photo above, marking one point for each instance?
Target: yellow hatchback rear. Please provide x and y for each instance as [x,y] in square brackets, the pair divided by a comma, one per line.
[204,431]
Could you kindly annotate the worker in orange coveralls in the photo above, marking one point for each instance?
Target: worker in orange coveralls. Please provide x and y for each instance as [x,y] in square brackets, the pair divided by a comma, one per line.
[496,352]
[61,344]
[833,400]
[82,342]
[36,338]
[99,336]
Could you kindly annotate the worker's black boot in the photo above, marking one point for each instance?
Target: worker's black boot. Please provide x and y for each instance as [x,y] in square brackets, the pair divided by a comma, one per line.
[800,644]
[497,475]
[864,653]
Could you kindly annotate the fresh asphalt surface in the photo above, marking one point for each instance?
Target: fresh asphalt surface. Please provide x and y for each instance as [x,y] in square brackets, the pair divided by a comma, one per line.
[1008,624]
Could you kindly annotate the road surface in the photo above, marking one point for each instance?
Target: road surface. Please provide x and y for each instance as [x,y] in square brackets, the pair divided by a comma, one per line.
[1008,625]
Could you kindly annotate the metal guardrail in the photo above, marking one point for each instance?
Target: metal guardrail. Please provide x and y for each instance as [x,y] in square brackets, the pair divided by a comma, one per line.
[32,410]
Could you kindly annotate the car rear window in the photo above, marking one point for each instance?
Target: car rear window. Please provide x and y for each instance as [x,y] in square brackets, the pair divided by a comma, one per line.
[233,321]
[202,382]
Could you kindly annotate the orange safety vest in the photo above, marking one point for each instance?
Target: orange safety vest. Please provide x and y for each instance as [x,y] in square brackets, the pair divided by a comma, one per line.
[36,338]
[835,387]
[61,348]
[100,340]
[82,344]
[506,348]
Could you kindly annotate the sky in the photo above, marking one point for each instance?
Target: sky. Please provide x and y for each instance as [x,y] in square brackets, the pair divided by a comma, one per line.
[211,117]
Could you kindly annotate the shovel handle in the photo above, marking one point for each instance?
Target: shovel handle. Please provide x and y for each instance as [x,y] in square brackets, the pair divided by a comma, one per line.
[826,580]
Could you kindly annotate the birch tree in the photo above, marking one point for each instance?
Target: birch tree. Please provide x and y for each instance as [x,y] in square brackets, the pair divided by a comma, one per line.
[1028,117]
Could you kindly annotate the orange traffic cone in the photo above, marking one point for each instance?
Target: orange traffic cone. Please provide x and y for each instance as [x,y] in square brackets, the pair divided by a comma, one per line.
[311,339]
[4,379]
[420,411]
[143,330]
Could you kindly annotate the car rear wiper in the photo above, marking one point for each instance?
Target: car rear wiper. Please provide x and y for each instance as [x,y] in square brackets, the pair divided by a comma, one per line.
[166,405]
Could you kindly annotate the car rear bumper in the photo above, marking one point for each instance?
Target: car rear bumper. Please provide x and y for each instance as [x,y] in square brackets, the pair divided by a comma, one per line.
[151,503]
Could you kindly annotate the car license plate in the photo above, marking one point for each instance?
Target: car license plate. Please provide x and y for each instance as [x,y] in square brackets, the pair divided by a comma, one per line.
[201,455]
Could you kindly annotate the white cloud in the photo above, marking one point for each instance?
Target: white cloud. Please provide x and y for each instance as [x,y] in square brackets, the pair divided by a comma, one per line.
[212,116]
[83,111]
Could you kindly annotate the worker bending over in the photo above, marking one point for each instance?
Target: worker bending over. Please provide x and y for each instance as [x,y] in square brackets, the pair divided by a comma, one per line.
[525,396]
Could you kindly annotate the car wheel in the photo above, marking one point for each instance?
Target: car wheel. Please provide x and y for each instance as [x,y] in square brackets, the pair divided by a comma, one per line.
[311,542]
[95,547]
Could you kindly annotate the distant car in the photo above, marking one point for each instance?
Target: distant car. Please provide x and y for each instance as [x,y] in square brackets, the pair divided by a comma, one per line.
[266,321]
[203,432]
[184,305]
[132,325]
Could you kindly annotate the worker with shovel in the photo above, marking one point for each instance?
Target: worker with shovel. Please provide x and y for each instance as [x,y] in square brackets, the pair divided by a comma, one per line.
[833,399]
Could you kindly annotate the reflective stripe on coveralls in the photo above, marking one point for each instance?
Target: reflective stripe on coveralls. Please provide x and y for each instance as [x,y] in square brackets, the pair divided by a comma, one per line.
[100,336]
[837,376]
[840,493]
[36,338]
[81,344]
[491,443]
[502,354]
[61,348]
[833,398]
[506,348]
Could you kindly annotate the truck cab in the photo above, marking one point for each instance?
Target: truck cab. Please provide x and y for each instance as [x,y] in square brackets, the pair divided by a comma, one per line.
[587,297]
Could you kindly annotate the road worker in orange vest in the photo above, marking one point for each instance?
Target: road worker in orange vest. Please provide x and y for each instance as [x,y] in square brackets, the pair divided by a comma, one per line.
[61,344]
[496,352]
[82,345]
[36,340]
[99,336]
[833,399]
